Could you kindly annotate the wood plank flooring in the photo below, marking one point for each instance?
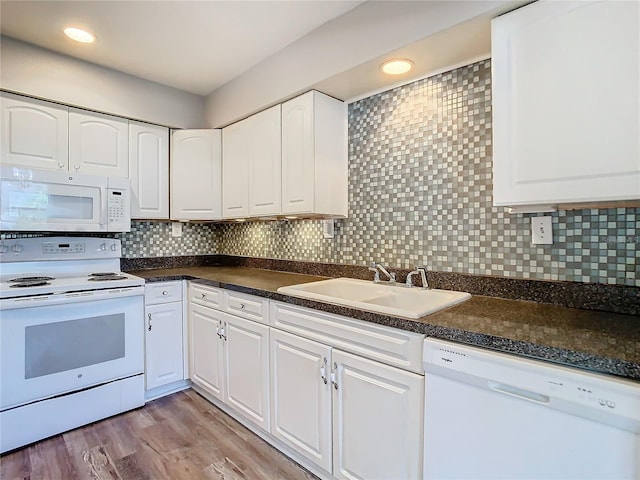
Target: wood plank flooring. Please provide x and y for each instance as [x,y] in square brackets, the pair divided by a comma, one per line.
[181,436]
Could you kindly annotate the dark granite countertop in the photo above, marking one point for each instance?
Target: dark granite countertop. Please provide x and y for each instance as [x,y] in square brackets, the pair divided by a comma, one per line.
[592,340]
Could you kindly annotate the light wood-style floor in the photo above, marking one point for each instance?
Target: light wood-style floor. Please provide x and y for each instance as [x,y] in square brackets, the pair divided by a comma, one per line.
[181,436]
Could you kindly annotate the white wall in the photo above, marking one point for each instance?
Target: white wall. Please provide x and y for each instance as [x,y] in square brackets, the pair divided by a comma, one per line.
[42,73]
[363,34]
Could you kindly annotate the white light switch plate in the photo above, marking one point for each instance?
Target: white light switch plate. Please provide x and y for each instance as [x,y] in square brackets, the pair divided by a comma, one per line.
[541,230]
[328,228]
[176,229]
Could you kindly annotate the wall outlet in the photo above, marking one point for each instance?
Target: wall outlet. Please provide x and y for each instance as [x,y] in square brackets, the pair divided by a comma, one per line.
[541,230]
[176,229]
[328,228]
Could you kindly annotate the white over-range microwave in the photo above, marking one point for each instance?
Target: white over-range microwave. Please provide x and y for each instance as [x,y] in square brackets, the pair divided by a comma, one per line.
[42,200]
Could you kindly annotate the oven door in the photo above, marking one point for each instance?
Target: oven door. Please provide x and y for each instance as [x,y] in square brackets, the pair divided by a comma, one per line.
[51,201]
[55,349]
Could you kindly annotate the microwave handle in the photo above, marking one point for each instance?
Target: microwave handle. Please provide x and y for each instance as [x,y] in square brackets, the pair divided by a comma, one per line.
[104,206]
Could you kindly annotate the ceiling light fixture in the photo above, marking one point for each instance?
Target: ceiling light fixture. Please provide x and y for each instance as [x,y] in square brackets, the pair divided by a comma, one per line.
[79,35]
[396,66]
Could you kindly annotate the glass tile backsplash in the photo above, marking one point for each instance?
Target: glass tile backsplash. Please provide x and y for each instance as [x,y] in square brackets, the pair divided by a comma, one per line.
[420,193]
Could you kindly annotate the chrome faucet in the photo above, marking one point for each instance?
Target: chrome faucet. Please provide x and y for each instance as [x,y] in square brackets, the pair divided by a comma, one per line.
[378,268]
[422,270]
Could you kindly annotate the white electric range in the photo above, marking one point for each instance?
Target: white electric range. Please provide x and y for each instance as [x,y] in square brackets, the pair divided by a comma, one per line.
[71,336]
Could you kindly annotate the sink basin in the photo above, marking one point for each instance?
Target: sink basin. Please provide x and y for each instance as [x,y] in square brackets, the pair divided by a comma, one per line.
[396,300]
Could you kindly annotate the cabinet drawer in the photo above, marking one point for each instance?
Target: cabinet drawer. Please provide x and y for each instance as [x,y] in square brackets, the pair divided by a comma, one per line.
[392,346]
[163,292]
[207,296]
[250,307]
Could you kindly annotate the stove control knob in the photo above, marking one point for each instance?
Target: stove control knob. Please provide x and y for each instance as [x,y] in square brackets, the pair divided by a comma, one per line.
[103,247]
[114,247]
[4,248]
[17,248]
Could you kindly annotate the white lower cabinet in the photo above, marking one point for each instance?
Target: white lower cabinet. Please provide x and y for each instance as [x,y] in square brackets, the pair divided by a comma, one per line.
[205,359]
[164,341]
[377,420]
[354,417]
[336,394]
[229,356]
[246,368]
[301,396]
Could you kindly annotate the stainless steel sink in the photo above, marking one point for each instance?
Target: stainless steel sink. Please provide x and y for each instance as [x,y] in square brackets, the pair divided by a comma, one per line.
[395,299]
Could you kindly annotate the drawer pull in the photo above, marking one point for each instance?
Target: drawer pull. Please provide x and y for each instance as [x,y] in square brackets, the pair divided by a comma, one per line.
[203,295]
[165,292]
[149,317]
[242,306]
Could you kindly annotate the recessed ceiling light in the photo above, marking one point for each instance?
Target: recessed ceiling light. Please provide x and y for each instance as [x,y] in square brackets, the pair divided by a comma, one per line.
[79,35]
[396,66]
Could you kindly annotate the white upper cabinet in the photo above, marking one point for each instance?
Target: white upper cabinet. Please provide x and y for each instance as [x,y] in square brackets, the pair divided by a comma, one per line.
[251,166]
[195,175]
[235,170]
[566,103]
[98,144]
[149,170]
[34,133]
[265,163]
[314,156]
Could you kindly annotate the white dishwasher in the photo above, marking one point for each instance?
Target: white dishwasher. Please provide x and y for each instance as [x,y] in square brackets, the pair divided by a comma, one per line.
[490,415]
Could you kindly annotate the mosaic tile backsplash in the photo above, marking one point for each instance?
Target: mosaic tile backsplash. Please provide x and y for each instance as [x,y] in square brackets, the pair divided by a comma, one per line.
[420,187]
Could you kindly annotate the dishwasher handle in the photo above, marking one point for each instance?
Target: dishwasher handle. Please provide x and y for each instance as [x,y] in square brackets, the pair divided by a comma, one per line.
[518,392]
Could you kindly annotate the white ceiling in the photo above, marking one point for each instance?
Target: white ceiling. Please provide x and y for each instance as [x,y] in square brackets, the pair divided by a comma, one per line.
[195,46]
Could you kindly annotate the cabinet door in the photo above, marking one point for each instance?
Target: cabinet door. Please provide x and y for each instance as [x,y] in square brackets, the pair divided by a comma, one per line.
[34,133]
[301,396]
[149,170]
[566,103]
[377,420]
[195,175]
[236,150]
[246,364]
[205,352]
[163,344]
[298,158]
[98,144]
[265,163]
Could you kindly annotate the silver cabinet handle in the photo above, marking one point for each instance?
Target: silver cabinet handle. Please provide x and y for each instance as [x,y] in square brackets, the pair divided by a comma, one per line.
[149,317]
[334,378]
[223,333]
[76,167]
[323,371]
[165,293]
[218,329]
[60,165]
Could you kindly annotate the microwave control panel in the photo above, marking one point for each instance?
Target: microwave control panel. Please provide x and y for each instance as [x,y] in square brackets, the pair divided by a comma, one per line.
[118,211]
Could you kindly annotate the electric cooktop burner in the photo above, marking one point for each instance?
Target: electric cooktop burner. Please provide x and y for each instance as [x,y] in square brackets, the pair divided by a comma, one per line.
[105,276]
[32,283]
[31,279]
